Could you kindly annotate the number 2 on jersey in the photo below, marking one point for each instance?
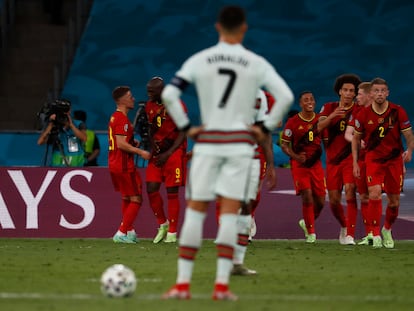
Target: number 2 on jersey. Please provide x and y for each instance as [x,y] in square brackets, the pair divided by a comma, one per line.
[232,79]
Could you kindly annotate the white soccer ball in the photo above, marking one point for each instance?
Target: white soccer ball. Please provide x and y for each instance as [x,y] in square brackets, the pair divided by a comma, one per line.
[118,281]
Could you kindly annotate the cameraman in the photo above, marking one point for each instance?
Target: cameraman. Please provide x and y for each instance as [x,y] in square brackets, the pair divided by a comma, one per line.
[66,138]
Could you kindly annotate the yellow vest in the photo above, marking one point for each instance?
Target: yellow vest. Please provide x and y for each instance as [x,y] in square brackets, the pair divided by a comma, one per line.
[90,139]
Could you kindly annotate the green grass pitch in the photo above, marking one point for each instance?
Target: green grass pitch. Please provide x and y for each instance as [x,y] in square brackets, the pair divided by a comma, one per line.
[63,274]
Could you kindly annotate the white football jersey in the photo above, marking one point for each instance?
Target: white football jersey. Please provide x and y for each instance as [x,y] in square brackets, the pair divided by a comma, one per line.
[227,78]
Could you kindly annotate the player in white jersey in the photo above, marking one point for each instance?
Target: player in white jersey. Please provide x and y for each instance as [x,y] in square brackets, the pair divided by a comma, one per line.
[245,219]
[226,77]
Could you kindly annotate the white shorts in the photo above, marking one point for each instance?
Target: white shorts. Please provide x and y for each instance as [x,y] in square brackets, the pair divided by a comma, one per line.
[254,181]
[211,176]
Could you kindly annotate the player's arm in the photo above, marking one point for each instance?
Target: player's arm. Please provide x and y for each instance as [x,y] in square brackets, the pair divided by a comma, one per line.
[180,138]
[271,178]
[123,145]
[325,121]
[409,139]
[163,157]
[177,143]
[356,145]
[171,99]
[349,133]
[287,149]
[283,95]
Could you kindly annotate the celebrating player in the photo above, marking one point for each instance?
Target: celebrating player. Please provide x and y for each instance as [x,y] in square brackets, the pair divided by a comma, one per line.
[333,120]
[302,143]
[125,177]
[364,99]
[167,163]
[380,126]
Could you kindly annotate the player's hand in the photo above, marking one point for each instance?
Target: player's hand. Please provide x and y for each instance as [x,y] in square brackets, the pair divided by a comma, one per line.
[161,159]
[271,178]
[407,156]
[194,131]
[301,157]
[363,144]
[144,154]
[258,134]
[338,112]
[356,170]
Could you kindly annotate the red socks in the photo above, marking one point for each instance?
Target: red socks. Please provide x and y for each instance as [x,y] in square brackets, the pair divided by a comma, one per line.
[156,204]
[351,211]
[338,212]
[129,216]
[391,214]
[173,211]
[309,217]
[375,213]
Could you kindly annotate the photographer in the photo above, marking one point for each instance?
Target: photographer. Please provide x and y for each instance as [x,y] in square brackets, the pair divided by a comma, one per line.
[65,135]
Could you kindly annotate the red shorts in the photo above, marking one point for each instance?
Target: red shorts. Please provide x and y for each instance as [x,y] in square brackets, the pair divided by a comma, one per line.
[172,173]
[128,184]
[389,175]
[310,178]
[339,175]
[361,183]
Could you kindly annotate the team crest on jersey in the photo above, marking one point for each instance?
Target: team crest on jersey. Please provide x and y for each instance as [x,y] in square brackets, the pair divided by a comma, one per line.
[380,120]
[126,127]
[288,132]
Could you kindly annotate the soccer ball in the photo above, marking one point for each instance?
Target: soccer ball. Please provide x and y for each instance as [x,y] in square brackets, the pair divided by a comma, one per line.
[118,281]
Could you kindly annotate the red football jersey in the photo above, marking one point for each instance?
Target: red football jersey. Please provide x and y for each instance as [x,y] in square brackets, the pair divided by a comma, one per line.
[304,137]
[120,161]
[336,146]
[382,132]
[351,122]
[162,127]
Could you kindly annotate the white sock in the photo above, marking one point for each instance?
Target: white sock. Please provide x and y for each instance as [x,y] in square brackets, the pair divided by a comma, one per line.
[243,227]
[227,236]
[190,236]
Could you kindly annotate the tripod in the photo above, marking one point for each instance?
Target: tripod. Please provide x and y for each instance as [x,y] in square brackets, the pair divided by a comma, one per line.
[54,141]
